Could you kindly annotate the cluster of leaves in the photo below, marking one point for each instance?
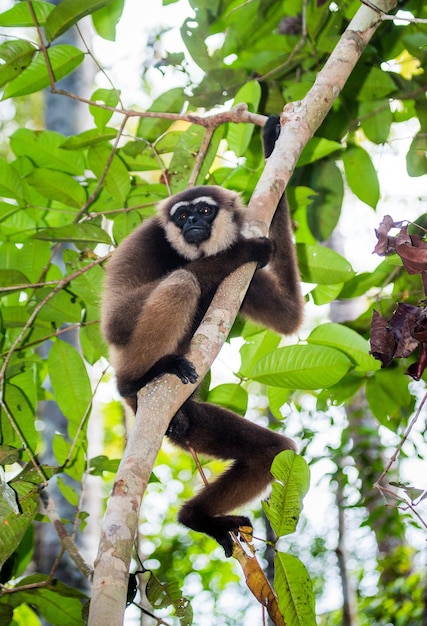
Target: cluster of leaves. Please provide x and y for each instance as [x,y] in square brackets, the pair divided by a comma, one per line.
[58,193]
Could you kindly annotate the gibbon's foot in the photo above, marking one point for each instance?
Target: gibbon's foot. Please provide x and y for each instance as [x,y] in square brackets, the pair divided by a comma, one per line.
[227,524]
[218,527]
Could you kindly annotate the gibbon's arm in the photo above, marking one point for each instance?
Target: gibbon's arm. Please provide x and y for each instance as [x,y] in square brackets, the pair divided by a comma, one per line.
[274,296]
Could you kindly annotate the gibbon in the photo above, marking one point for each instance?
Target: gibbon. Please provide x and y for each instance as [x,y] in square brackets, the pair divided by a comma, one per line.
[159,283]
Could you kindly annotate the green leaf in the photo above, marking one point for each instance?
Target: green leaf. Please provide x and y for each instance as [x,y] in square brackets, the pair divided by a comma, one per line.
[109,97]
[302,367]
[22,412]
[277,397]
[361,283]
[69,12]
[389,398]
[17,55]
[295,591]
[69,493]
[10,181]
[322,265]
[416,159]
[323,294]
[255,347]
[13,525]
[57,186]
[361,175]
[89,138]
[151,128]
[316,149]
[230,396]
[20,14]
[58,604]
[105,20]
[182,161]
[239,135]
[347,340]
[60,308]
[80,233]
[44,148]
[70,381]
[292,480]
[116,181]
[63,59]
[376,118]
[376,85]
[324,211]
[12,277]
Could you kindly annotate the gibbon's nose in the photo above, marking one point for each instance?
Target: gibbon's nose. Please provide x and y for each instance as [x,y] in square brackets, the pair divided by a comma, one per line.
[191,219]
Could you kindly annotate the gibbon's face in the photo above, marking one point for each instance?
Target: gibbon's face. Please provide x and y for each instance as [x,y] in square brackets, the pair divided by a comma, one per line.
[201,221]
[194,218]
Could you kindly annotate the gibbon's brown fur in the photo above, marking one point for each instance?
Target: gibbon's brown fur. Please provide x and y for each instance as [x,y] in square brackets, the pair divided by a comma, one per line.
[160,282]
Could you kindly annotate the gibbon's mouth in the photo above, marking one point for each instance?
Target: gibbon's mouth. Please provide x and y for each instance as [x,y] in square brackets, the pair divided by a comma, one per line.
[196,234]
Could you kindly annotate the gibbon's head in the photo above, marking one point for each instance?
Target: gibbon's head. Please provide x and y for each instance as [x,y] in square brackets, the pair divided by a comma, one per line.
[201,221]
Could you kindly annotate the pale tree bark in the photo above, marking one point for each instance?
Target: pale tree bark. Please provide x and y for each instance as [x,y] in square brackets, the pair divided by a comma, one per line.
[159,401]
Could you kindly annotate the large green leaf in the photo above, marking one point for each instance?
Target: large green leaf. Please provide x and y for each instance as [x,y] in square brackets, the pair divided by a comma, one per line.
[347,340]
[58,604]
[17,55]
[294,590]
[44,148]
[69,12]
[74,232]
[20,14]
[361,175]
[302,367]
[57,186]
[70,381]
[292,480]
[322,265]
[63,59]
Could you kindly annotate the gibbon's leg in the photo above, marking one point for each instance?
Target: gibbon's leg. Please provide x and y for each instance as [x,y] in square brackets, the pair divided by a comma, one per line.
[165,318]
[274,296]
[215,431]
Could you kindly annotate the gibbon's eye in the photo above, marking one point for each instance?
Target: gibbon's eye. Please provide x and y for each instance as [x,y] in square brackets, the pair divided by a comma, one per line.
[205,209]
[182,216]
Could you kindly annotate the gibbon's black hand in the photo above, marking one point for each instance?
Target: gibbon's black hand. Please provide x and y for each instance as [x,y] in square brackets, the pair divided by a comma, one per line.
[185,370]
[159,284]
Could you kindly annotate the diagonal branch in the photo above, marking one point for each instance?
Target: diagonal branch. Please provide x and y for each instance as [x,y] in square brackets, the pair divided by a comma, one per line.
[158,402]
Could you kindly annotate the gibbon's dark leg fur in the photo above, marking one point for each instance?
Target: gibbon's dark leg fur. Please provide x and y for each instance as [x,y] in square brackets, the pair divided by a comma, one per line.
[218,432]
[279,286]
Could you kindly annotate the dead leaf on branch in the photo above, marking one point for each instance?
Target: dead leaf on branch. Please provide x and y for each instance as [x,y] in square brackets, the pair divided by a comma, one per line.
[256,580]
[406,330]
